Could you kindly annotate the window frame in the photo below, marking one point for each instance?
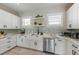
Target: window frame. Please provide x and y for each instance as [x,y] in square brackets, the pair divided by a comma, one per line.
[54,14]
[24,22]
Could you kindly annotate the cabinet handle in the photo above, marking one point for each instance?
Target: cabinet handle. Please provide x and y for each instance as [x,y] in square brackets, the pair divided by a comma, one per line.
[16,26]
[35,43]
[21,40]
[25,36]
[4,26]
[8,38]
[8,46]
[70,25]
[59,40]
[55,44]
[8,41]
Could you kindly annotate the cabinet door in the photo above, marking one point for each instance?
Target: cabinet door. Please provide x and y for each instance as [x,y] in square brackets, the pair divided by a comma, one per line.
[14,40]
[2,17]
[15,21]
[32,42]
[2,49]
[78,15]
[39,44]
[8,21]
[69,18]
[72,17]
[27,41]
[75,17]
[19,41]
[69,47]
[60,46]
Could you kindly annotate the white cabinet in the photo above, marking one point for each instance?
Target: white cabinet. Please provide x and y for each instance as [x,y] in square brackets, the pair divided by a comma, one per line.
[8,20]
[2,19]
[72,17]
[7,43]
[72,47]
[69,47]
[39,45]
[29,41]
[60,47]
[32,42]
[21,41]
[69,18]
[15,21]
[36,42]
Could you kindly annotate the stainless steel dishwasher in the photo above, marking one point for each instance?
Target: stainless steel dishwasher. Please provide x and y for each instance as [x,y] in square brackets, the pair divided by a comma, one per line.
[48,45]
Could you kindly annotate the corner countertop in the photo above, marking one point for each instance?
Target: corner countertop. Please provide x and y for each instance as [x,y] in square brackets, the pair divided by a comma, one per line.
[75,41]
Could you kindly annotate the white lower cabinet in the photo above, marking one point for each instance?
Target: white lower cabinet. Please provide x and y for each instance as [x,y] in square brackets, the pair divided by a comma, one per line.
[35,43]
[32,42]
[7,43]
[21,41]
[69,47]
[60,47]
[39,45]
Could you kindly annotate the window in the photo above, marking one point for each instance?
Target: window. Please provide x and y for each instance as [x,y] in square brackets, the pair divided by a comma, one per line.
[26,21]
[54,19]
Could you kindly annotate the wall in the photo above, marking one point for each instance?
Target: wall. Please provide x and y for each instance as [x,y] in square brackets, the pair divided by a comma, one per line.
[53,29]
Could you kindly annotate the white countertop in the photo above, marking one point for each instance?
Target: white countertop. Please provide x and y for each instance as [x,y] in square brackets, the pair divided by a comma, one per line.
[75,41]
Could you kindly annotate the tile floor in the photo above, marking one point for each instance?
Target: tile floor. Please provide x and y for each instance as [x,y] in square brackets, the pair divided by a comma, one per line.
[24,51]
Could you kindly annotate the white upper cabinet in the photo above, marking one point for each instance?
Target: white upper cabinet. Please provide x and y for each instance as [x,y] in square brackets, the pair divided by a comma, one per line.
[72,17]
[8,20]
[15,21]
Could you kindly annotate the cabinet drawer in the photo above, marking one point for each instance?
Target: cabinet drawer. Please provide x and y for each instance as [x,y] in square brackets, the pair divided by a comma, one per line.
[2,41]
[9,47]
[3,49]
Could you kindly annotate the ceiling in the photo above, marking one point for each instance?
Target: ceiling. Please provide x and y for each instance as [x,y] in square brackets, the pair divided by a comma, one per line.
[30,7]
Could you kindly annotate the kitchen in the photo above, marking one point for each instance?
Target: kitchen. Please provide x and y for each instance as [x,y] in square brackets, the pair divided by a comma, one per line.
[39,29]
